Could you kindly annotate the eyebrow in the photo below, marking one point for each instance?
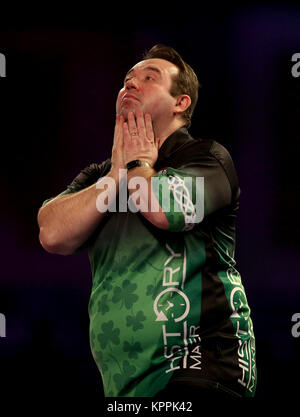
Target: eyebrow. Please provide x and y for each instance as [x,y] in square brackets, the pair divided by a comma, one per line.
[157,70]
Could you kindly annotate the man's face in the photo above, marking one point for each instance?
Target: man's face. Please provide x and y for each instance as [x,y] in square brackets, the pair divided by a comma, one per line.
[147,87]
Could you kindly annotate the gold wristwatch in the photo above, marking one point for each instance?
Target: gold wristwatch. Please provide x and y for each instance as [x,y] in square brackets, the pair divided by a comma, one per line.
[137,163]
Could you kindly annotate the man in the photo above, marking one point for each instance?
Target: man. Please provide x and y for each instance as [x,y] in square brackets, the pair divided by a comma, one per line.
[168,311]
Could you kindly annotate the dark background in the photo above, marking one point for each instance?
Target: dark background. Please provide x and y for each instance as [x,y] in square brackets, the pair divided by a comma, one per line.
[57,111]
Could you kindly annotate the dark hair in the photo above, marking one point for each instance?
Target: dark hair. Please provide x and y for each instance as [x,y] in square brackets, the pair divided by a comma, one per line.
[186,82]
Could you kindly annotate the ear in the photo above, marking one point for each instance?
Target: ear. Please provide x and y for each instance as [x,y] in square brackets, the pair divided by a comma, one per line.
[183,101]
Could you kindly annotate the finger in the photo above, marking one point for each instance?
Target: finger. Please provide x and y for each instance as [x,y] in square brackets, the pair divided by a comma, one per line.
[118,130]
[140,124]
[117,126]
[149,127]
[121,139]
[132,125]
[126,134]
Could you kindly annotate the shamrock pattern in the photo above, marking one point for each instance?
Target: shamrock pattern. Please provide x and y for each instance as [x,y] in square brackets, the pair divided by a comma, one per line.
[121,378]
[112,299]
[120,265]
[153,289]
[109,335]
[106,283]
[125,294]
[98,356]
[135,321]
[103,305]
[133,349]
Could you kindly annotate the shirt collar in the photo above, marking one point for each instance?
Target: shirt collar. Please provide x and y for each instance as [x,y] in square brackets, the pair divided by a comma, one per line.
[171,144]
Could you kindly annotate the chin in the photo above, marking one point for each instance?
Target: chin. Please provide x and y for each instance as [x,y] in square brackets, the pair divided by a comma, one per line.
[125,110]
[124,113]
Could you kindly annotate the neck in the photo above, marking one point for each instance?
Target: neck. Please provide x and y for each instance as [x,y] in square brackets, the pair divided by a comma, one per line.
[163,132]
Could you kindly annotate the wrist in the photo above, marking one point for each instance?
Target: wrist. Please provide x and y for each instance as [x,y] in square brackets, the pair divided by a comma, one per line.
[117,173]
[141,171]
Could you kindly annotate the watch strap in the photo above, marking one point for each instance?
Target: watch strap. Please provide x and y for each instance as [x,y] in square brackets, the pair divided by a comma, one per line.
[137,163]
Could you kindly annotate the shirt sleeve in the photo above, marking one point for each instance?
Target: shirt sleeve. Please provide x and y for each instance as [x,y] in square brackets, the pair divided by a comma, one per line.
[84,179]
[196,189]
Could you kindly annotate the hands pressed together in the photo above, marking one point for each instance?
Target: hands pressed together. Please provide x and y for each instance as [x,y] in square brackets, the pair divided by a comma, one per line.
[134,139]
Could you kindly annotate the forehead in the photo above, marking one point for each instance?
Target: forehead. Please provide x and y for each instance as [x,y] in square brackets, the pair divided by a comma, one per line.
[163,66]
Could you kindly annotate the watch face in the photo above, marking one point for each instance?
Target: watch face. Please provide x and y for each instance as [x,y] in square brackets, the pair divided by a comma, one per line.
[171,304]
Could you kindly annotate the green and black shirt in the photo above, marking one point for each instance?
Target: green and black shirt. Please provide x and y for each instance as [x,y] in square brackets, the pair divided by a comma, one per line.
[168,306]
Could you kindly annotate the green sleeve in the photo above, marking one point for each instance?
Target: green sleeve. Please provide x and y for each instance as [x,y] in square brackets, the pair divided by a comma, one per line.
[181,196]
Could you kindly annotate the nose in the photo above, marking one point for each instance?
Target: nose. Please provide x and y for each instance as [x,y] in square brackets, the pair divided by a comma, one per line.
[132,83]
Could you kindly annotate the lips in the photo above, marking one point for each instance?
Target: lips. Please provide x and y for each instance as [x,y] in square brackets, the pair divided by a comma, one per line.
[129,96]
